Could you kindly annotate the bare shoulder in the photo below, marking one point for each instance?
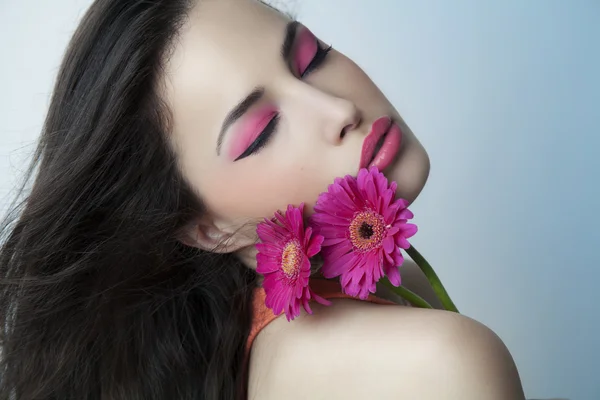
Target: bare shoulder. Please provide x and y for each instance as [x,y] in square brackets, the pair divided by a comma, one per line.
[357,350]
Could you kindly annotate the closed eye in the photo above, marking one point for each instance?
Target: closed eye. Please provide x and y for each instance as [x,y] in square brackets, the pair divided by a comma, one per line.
[317,60]
[309,55]
[262,140]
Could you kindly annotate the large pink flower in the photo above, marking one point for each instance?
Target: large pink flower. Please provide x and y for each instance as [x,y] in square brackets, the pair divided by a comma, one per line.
[364,228]
[284,260]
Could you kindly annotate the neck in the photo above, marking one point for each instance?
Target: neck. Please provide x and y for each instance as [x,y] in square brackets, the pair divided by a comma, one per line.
[247,256]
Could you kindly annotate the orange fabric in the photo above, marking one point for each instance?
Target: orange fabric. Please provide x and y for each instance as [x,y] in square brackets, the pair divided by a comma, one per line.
[262,315]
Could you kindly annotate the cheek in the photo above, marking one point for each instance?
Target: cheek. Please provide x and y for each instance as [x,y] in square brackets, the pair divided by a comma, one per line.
[258,192]
[258,195]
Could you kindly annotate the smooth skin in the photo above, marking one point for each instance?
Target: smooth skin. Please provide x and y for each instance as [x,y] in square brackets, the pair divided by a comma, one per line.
[358,350]
[353,350]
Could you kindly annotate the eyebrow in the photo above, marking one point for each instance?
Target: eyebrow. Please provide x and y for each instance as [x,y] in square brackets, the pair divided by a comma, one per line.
[258,92]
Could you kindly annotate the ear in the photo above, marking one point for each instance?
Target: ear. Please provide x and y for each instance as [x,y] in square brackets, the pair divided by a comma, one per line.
[208,236]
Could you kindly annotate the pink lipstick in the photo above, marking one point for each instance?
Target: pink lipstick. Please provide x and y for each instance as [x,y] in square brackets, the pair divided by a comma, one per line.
[381,145]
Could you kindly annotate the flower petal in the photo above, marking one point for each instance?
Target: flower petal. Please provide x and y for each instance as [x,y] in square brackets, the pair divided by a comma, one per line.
[314,245]
[321,300]
[405,213]
[393,274]
[388,244]
[269,249]
[335,252]
[266,265]
[408,230]
[328,219]
[402,242]
[337,266]
[333,241]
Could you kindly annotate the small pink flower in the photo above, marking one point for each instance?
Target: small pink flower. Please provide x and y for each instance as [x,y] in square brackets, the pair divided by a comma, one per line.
[364,228]
[284,260]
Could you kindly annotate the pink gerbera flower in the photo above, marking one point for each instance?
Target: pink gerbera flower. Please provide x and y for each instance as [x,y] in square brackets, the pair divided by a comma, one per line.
[364,228]
[284,260]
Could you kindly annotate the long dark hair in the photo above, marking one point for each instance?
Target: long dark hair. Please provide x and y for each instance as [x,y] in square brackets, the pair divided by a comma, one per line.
[98,297]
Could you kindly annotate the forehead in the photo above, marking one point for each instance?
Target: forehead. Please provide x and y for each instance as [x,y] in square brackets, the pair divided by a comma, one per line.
[225,49]
[232,22]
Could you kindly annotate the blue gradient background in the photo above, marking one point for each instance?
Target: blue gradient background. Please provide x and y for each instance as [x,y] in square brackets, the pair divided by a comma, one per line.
[504,95]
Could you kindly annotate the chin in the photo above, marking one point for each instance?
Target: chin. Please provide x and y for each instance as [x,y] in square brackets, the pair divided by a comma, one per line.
[410,170]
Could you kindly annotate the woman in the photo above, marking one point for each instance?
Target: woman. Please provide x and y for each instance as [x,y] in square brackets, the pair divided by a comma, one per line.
[175,126]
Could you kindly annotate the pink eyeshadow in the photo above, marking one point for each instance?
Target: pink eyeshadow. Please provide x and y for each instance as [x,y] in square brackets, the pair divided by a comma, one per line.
[306,50]
[249,129]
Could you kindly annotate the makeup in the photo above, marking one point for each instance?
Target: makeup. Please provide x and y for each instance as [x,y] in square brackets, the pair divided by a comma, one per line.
[249,129]
[306,49]
[381,145]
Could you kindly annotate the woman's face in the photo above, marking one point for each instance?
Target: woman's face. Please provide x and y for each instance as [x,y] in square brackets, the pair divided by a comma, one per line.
[264,116]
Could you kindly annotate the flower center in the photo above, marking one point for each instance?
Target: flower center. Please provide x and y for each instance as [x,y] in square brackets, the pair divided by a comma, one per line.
[367,230]
[291,258]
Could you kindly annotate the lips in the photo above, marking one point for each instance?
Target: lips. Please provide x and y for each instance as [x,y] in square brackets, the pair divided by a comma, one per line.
[378,130]
[381,145]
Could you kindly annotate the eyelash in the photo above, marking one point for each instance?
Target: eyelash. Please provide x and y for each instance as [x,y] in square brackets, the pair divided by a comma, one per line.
[317,60]
[265,136]
[262,139]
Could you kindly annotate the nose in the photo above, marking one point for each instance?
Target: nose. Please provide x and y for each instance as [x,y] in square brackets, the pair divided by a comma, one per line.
[341,116]
[333,117]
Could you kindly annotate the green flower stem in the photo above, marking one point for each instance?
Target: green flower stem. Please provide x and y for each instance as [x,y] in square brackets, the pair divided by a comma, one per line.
[406,294]
[433,279]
